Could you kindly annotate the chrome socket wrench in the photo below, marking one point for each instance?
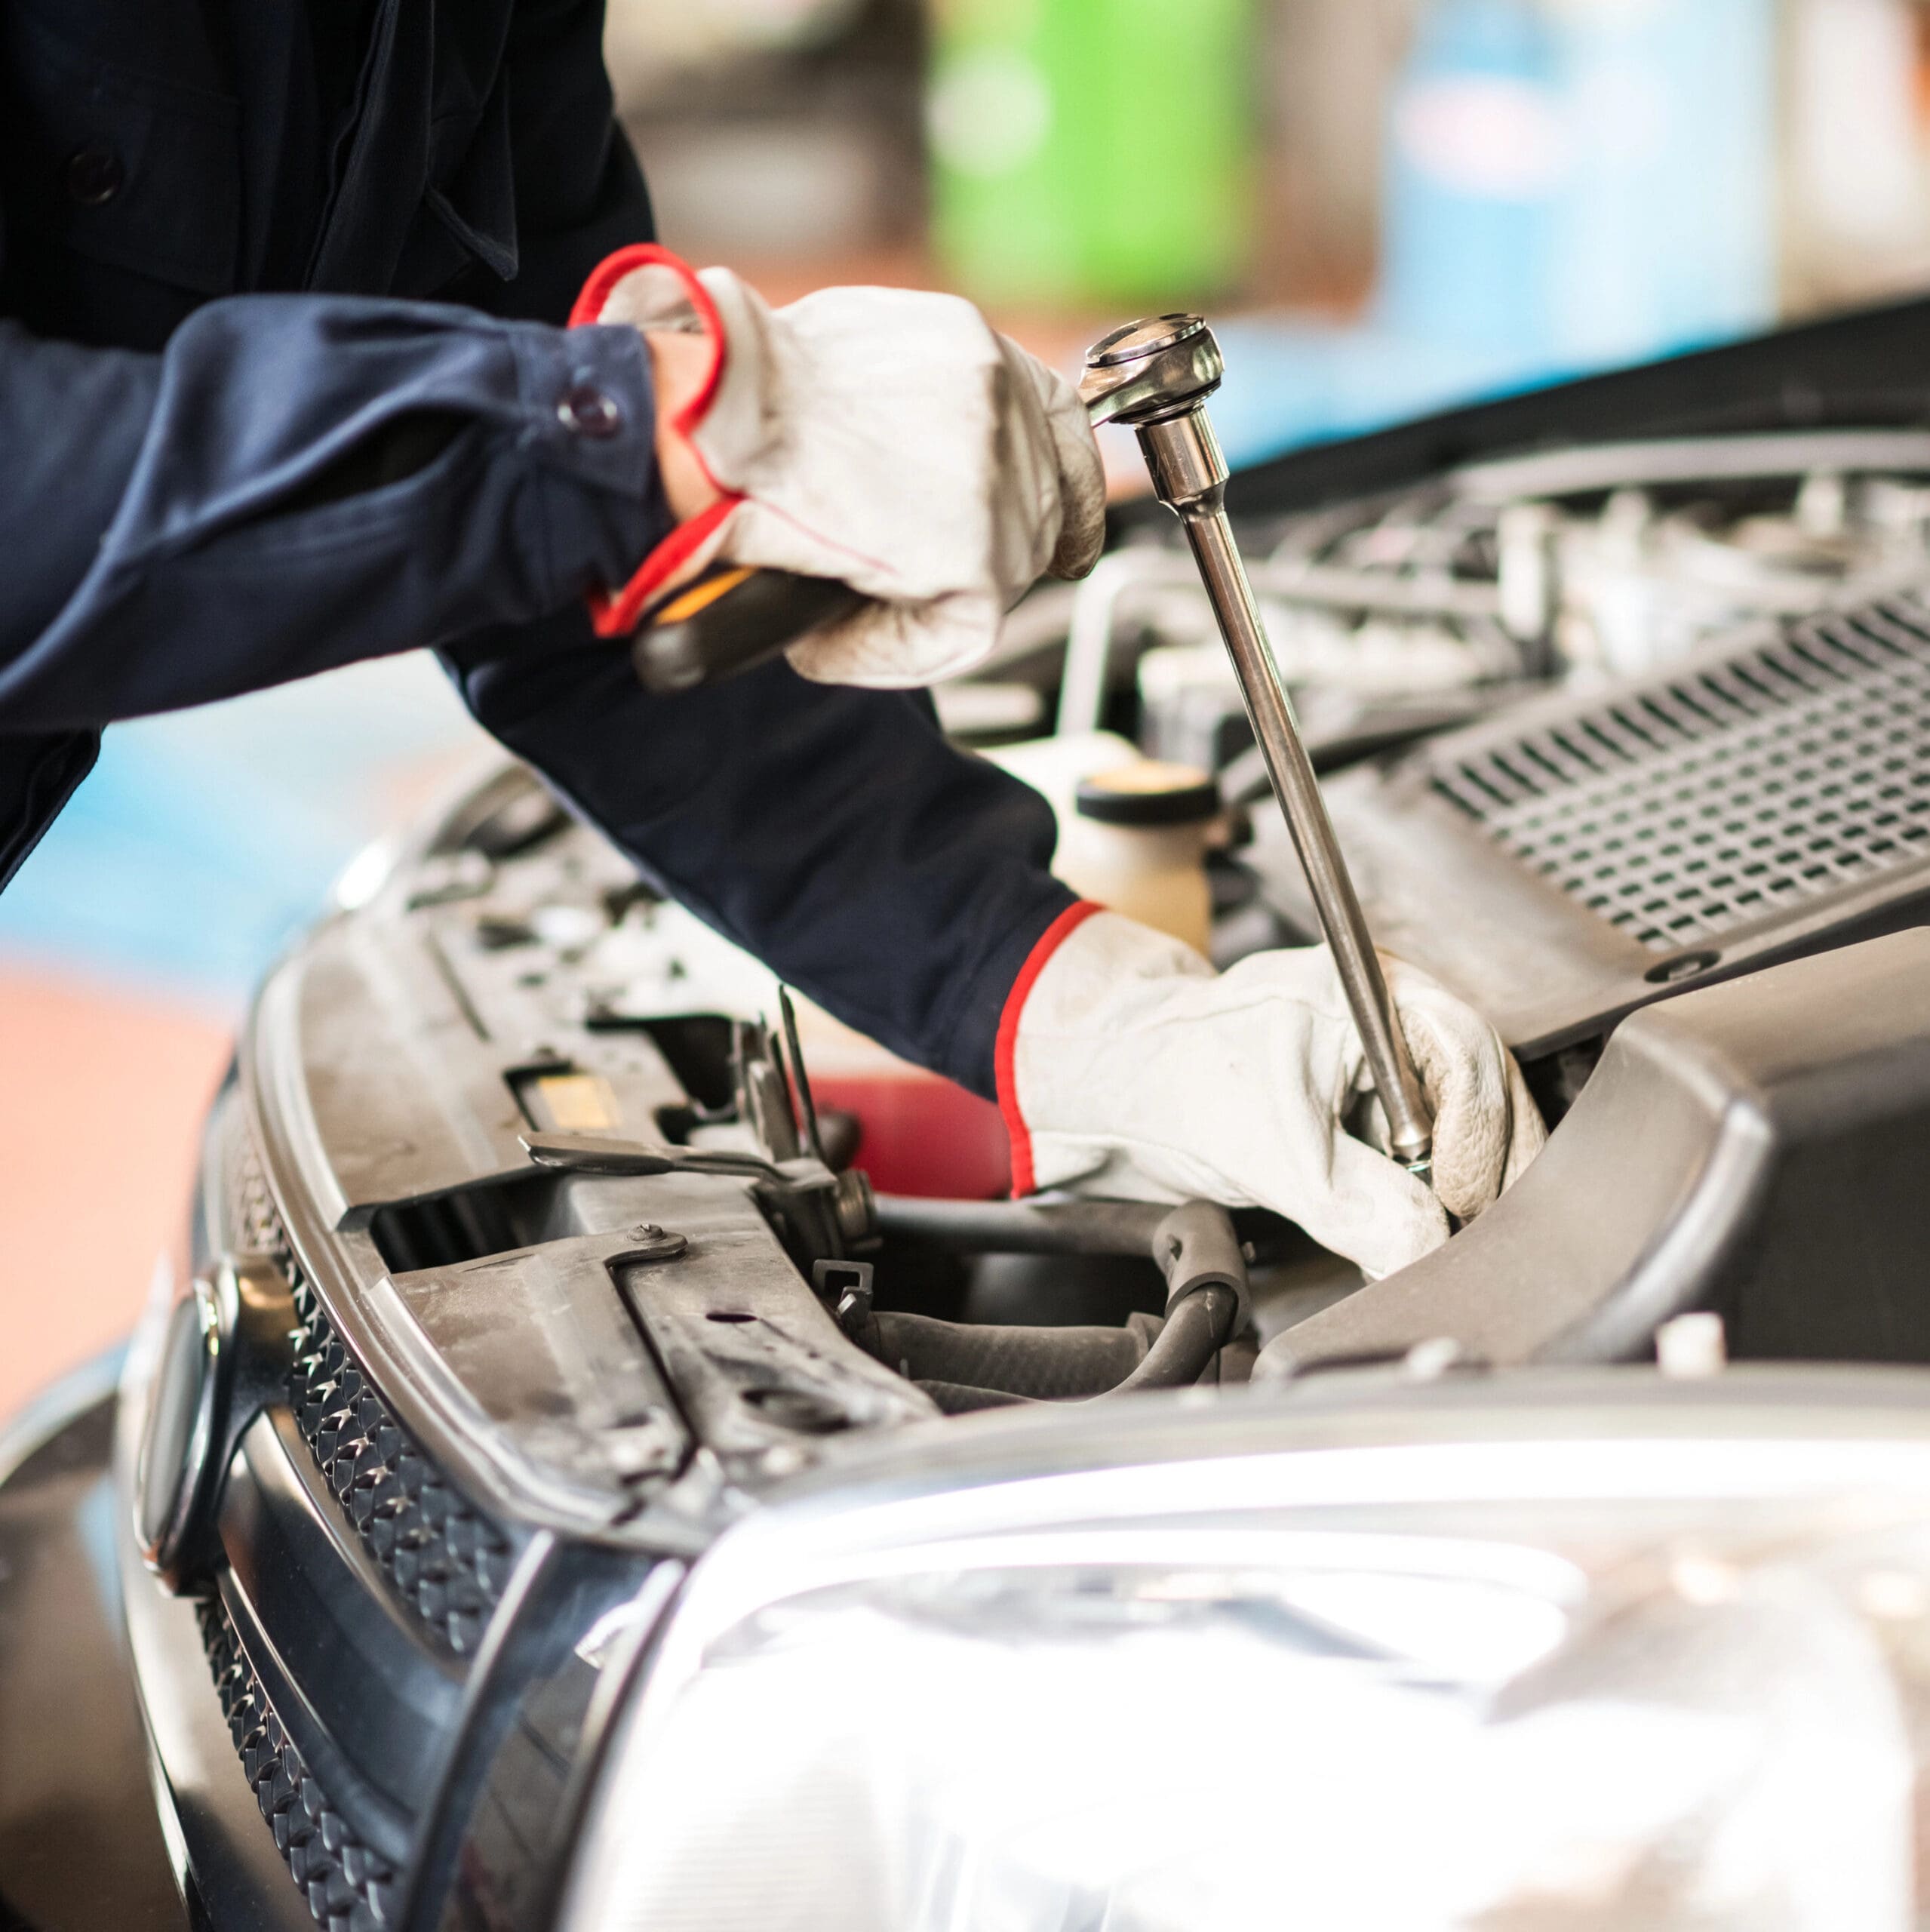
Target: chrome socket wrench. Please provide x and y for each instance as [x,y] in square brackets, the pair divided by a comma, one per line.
[1155,376]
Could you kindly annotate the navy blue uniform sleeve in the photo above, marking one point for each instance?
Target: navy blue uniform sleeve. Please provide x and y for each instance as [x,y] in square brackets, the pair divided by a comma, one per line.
[299,481]
[834,833]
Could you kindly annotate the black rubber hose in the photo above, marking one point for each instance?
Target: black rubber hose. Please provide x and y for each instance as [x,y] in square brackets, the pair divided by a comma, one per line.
[1193,1244]
[1197,1327]
[1039,1364]
[962,1367]
[1021,1227]
[1196,1248]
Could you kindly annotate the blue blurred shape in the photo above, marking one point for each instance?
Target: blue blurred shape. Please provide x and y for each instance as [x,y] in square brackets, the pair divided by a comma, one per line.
[204,840]
[1476,152]
[1290,382]
[1576,181]
[1571,185]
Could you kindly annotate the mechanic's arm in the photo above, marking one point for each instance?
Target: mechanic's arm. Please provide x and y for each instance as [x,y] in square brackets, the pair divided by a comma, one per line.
[116,599]
[893,440]
[298,482]
[834,833]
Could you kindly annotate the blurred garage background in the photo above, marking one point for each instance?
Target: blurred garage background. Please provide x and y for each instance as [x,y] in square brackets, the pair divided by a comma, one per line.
[1392,205]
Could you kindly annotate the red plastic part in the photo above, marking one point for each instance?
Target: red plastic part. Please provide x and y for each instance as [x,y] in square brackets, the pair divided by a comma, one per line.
[923,1134]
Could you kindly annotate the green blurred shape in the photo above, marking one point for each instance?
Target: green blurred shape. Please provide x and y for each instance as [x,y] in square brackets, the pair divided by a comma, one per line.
[1092,150]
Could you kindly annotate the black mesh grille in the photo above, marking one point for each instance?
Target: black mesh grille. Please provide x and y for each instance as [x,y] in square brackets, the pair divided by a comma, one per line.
[251,1225]
[348,1887]
[448,1562]
[1729,792]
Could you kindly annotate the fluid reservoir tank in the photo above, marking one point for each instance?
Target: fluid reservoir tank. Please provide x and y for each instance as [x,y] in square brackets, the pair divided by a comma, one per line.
[1136,842]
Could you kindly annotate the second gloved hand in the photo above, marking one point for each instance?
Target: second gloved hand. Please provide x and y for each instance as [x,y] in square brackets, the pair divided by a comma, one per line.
[1129,1067]
[885,437]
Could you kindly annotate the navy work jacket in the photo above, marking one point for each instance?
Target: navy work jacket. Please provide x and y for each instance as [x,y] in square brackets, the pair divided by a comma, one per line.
[282,387]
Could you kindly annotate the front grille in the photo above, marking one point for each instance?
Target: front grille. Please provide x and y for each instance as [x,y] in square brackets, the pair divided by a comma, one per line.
[1748,789]
[348,1887]
[446,1560]
[449,1563]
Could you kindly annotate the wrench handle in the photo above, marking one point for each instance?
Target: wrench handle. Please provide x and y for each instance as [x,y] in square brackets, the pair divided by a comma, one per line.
[729,620]
[1156,375]
[1410,1131]
[1189,474]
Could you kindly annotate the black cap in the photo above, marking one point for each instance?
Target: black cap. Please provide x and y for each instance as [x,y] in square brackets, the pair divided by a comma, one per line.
[1151,793]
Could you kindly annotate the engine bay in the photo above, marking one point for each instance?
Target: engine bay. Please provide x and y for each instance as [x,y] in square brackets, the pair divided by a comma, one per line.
[519,1109]
[660,1226]
[1613,692]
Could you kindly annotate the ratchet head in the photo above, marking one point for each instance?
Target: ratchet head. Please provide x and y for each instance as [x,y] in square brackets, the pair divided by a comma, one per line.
[1151,370]
[1156,377]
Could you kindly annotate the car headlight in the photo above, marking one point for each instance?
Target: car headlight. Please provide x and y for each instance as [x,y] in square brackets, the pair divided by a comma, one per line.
[1604,1653]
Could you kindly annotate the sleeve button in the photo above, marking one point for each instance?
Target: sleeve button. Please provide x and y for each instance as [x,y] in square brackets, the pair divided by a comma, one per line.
[95,175]
[586,411]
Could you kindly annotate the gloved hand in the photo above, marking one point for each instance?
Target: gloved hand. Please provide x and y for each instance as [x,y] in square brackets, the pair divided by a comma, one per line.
[885,437]
[1129,1067]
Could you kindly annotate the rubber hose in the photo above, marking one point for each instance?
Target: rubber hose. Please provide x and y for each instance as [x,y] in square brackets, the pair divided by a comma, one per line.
[1020,1227]
[1043,1364]
[1193,1245]
[1194,1332]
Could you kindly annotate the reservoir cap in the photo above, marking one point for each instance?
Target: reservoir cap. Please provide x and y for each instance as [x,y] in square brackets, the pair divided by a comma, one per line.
[1149,794]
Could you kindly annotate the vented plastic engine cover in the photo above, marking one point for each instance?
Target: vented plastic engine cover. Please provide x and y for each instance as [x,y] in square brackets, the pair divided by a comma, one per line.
[1577,856]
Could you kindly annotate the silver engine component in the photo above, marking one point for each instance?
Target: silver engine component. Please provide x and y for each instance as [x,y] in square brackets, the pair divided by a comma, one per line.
[1579,564]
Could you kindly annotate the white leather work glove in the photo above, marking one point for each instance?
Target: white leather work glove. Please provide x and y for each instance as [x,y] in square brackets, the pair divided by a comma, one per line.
[1129,1068]
[888,438]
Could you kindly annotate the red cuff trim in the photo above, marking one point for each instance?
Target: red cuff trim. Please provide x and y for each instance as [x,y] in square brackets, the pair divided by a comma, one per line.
[1050,940]
[616,613]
